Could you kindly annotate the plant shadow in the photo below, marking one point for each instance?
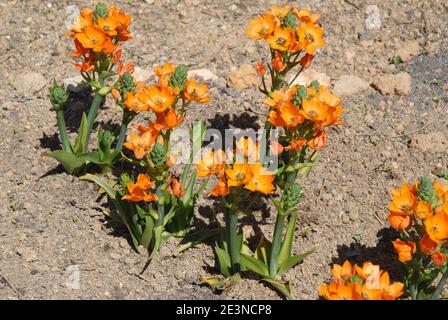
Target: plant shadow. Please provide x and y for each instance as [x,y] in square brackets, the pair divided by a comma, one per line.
[383,254]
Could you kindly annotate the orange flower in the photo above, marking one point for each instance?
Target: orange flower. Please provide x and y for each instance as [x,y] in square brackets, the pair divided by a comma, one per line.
[139,191]
[84,20]
[238,175]
[158,98]
[246,147]
[175,188]
[196,92]
[211,163]
[115,94]
[310,37]
[440,188]
[134,101]
[290,114]
[338,291]
[261,69]
[261,27]
[305,15]
[325,96]
[276,148]
[280,97]
[438,258]
[306,60]
[108,25]
[282,39]
[390,291]
[85,66]
[279,13]
[427,245]
[168,120]
[314,110]
[275,119]
[404,200]
[319,141]
[436,226]
[164,73]
[277,62]
[92,37]
[220,189]
[261,180]
[296,144]
[404,250]
[422,210]
[122,21]
[80,50]
[399,222]
[139,144]
[344,272]
[368,272]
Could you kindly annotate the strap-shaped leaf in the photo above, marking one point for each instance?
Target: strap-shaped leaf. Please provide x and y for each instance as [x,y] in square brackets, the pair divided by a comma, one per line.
[224,261]
[79,147]
[195,238]
[255,265]
[148,232]
[111,192]
[285,289]
[262,252]
[285,251]
[291,262]
[157,241]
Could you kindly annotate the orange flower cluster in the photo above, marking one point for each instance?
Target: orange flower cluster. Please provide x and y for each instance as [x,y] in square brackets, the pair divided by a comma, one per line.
[315,107]
[98,33]
[242,173]
[410,207]
[139,191]
[161,99]
[368,282]
[288,31]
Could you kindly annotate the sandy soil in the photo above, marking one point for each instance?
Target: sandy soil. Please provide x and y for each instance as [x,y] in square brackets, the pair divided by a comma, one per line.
[50,220]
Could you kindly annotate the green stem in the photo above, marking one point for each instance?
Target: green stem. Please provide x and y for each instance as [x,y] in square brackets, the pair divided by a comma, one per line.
[440,286]
[97,99]
[276,245]
[65,140]
[232,240]
[123,128]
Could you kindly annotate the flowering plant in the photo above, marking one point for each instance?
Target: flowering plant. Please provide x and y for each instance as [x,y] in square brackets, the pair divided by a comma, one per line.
[352,282]
[419,211]
[158,203]
[97,36]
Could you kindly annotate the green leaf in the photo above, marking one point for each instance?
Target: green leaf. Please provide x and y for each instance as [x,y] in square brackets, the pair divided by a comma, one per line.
[294,260]
[285,289]
[255,265]
[82,136]
[111,192]
[197,237]
[224,261]
[71,163]
[263,250]
[285,251]
[157,241]
[148,232]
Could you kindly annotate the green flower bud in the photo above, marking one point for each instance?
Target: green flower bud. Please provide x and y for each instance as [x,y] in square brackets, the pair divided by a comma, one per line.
[158,155]
[290,21]
[426,191]
[105,139]
[179,78]
[292,195]
[300,95]
[125,179]
[315,85]
[127,82]
[58,96]
[101,10]
[104,91]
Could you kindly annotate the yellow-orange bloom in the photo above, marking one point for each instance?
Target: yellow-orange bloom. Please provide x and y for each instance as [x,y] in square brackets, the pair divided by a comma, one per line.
[399,221]
[164,73]
[211,163]
[277,62]
[427,245]
[314,110]
[438,258]
[247,148]
[261,180]
[405,250]
[282,39]
[221,189]
[422,210]
[83,20]
[134,101]
[238,175]
[196,92]
[261,27]
[280,97]
[92,37]
[158,98]
[305,15]
[318,141]
[436,226]
[175,188]
[339,291]
[404,200]
[344,272]
[139,191]
[108,25]
[310,37]
[140,144]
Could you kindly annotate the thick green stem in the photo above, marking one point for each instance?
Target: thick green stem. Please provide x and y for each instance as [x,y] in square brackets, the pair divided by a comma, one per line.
[65,140]
[232,240]
[97,100]
[440,286]
[276,245]
[123,128]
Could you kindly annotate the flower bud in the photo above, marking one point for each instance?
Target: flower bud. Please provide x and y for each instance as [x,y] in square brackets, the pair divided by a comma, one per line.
[426,191]
[125,179]
[290,21]
[261,69]
[292,195]
[179,78]
[58,96]
[315,85]
[158,155]
[104,91]
[101,10]
[128,82]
